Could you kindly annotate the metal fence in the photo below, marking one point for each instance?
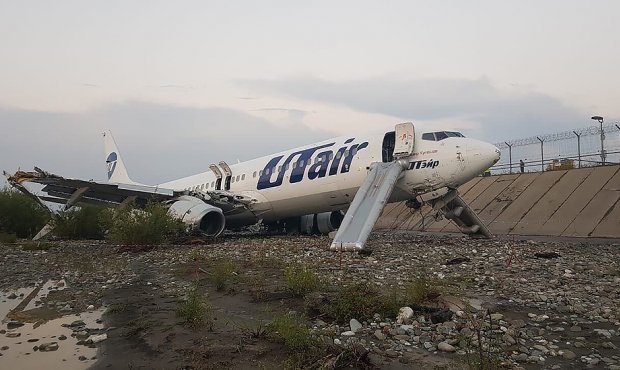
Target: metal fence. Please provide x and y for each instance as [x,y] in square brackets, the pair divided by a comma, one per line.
[590,146]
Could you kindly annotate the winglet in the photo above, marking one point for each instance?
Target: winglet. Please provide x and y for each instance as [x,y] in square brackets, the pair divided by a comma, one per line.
[117,173]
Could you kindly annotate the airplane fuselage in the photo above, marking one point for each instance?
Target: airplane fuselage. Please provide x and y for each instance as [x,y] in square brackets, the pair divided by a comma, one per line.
[325,176]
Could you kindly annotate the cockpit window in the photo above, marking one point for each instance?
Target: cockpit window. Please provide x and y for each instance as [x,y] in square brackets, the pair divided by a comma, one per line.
[440,135]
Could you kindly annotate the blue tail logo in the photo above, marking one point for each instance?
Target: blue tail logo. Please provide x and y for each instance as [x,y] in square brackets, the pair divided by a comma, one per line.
[111,163]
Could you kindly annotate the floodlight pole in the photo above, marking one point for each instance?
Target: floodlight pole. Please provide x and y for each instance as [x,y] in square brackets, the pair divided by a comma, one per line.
[509,155]
[542,154]
[578,147]
[600,121]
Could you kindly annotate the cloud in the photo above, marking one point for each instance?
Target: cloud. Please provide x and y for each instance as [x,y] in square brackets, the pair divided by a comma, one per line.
[499,114]
[158,142]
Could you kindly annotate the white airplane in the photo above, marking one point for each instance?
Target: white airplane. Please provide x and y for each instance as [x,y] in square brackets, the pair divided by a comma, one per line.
[338,184]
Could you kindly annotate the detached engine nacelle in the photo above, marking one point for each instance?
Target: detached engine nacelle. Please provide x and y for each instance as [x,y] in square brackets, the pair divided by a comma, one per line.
[198,215]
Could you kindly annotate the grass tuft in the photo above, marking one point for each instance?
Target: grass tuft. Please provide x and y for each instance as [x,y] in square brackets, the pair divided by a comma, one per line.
[223,273]
[291,330]
[194,310]
[301,279]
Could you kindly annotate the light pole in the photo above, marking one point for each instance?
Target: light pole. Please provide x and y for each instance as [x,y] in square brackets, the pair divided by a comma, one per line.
[600,120]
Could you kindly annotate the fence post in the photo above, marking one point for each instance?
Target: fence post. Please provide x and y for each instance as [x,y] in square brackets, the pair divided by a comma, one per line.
[509,155]
[542,155]
[578,147]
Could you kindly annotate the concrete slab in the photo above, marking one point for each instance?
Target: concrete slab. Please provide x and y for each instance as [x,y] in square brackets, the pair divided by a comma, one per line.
[531,223]
[601,205]
[577,201]
[520,206]
[609,227]
[505,198]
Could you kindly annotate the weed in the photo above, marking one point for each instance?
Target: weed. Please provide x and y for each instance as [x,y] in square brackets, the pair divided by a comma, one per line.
[137,326]
[151,225]
[291,330]
[79,223]
[419,290]
[118,308]
[223,272]
[194,310]
[360,301]
[483,348]
[7,238]
[301,279]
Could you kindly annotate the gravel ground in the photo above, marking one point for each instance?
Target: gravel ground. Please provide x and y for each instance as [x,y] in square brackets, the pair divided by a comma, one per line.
[527,304]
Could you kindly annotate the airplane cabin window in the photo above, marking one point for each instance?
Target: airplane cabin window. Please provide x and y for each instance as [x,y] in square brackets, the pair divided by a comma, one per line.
[238,177]
[212,183]
[254,173]
[243,177]
[260,173]
[428,136]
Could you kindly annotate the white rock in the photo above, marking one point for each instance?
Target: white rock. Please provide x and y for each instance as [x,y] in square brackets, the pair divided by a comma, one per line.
[404,315]
[337,342]
[97,338]
[348,333]
[355,325]
[90,307]
[446,347]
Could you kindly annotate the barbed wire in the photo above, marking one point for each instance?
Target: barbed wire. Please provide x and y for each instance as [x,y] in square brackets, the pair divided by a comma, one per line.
[563,135]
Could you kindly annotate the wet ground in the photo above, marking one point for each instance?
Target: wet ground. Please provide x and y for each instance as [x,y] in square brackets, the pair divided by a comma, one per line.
[557,310]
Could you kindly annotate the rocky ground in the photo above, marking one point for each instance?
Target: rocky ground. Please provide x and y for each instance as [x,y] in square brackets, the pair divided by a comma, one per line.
[514,304]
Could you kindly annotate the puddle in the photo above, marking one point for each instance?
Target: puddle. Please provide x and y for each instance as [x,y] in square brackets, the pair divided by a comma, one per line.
[20,353]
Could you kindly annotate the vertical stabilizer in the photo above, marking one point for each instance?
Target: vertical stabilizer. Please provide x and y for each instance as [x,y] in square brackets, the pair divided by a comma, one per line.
[117,173]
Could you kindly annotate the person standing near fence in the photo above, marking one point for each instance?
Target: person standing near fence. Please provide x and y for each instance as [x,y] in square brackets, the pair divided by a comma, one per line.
[521,165]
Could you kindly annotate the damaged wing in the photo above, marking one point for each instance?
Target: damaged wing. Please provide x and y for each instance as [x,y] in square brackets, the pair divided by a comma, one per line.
[58,189]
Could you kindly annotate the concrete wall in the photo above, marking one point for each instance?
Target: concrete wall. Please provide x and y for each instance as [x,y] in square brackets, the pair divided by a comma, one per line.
[579,203]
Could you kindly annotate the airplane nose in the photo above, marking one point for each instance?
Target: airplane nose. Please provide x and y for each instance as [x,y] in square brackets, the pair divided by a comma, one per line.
[497,154]
[483,155]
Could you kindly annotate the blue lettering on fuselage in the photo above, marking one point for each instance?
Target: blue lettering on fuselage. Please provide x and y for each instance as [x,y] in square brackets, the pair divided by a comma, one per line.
[300,160]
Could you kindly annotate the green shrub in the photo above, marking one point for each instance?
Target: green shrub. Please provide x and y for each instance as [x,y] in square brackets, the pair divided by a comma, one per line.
[151,225]
[418,291]
[291,330]
[79,223]
[301,279]
[223,272]
[21,215]
[194,310]
[6,238]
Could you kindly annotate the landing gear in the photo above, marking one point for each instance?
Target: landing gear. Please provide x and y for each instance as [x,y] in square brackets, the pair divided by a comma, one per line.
[413,204]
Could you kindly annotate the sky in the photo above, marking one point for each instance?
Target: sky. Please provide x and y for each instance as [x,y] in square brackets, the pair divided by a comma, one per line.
[183,84]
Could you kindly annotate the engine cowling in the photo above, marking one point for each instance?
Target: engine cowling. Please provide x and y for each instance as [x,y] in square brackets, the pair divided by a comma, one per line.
[322,223]
[198,215]
[327,222]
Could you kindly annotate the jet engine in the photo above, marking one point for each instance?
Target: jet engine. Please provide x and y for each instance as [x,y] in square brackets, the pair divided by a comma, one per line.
[322,223]
[198,215]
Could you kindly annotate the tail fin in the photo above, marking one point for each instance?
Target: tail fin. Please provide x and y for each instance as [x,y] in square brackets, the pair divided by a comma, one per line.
[117,173]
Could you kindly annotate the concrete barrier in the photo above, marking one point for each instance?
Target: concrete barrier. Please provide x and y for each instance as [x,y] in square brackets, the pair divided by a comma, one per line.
[578,203]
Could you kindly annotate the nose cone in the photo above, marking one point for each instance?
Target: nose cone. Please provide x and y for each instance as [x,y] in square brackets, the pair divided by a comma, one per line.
[483,155]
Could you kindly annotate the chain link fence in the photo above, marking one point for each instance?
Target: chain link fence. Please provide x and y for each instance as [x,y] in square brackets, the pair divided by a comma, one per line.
[596,145]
